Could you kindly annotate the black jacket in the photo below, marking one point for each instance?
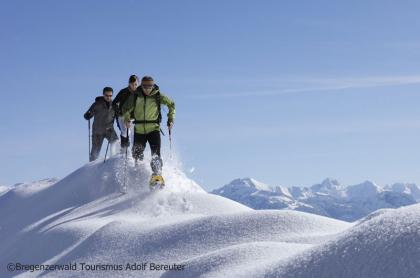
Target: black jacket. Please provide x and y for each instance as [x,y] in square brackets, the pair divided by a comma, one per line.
[120,99]
[104,114]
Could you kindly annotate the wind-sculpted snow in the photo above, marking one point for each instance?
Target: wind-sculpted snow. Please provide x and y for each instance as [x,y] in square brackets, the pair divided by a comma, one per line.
[83,218]
[243,260]
[42,222]
[385,245]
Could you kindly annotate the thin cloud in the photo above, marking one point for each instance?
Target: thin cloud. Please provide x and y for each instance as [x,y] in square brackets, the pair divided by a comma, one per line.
[320,84]
[309,129]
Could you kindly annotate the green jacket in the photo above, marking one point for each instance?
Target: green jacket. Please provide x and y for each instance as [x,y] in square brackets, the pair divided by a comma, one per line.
[146,109]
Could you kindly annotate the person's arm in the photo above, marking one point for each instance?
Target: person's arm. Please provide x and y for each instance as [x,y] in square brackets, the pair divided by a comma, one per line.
[90,113]
[116,103]
[117,100]
[171,106]
[127,108]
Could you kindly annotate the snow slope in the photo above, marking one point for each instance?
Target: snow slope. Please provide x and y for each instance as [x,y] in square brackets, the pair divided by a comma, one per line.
[386,245]
[84,219]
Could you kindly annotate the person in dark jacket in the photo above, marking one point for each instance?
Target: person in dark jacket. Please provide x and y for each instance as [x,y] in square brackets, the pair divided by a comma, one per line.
[103,124]
[118,102]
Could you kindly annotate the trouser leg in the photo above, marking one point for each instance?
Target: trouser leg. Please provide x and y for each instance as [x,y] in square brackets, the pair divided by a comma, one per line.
[125,141]
[155,142]
[97,140]
[139,145]
[112,138]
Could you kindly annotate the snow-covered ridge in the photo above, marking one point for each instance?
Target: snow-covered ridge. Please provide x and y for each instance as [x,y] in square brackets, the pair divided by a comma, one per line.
[27,187]
[4,188]
[83,218]
[385,245]
[328,198]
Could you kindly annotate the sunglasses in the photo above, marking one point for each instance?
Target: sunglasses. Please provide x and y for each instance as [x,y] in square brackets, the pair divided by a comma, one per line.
[147,86]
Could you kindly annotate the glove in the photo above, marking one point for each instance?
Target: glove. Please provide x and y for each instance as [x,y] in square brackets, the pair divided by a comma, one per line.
[117,109]
[87,115]
[170,123]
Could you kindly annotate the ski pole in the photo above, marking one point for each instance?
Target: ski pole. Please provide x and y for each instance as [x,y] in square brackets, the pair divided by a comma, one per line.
[106,152]
[125,163]
[89,138]
[170,143]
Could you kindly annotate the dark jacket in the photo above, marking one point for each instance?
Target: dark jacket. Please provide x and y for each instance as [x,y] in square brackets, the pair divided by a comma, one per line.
[120,99]
[104,114]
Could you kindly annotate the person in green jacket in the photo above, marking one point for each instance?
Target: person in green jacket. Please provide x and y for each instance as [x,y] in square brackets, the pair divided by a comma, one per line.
[144,108]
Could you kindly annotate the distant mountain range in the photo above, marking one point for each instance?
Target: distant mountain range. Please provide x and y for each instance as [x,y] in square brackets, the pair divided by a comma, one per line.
[328,198]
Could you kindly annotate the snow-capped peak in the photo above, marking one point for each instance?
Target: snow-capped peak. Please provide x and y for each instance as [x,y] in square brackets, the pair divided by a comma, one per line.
[364,190]
[248,184]
[326,185]
[4,188]
[407,188]
[282,190]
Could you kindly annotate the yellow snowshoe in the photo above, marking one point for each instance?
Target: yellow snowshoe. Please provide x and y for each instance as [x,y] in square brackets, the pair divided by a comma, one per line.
[156,181]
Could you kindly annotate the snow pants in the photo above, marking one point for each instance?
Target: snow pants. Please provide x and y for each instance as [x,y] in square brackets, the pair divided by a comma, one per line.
[98,139]
[140,141]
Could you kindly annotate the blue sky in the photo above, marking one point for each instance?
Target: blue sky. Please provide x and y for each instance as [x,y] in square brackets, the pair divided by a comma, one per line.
[287,92]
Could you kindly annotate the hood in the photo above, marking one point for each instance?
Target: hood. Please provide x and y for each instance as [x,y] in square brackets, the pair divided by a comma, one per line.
[101,98]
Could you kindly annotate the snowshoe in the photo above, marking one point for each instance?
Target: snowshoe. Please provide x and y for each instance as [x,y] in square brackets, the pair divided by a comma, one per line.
[156,181]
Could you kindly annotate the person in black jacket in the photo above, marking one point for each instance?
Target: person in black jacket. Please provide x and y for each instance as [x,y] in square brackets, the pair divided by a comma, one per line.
[118,102]
[103,124]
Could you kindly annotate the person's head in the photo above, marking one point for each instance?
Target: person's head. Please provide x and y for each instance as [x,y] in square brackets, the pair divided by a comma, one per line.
[147,84]
[133,82]
[107,92]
